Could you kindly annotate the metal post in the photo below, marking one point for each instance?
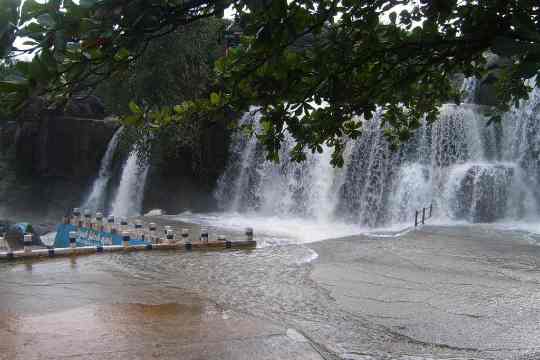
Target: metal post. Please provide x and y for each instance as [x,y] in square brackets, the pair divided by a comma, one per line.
[423,215]
[430,209]
[186,239]
[224,239]
[139,232]
[87,218]
[125,239]
[152,229]
[123,224]
[76,217]
[204,235]
[110,221]
[166,229]
[99,221]
[185,235]
[170,236]
[27,239]
[73,240]
[415,218]
[249,234]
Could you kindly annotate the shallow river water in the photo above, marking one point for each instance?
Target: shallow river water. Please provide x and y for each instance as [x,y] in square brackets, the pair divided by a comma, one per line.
[458,292]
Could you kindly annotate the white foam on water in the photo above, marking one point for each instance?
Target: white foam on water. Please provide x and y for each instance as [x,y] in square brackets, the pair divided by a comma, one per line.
[274,230]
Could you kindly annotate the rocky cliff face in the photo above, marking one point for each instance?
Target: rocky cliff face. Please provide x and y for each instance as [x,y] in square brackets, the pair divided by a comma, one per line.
[187,180]
[48,161]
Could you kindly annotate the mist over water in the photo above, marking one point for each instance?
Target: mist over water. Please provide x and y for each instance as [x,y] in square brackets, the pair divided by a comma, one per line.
[271,230]
[471,172]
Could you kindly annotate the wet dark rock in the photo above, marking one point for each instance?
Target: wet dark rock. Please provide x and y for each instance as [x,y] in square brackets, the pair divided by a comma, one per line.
[485,93]
[4,226]
[7,135]
[62,146]
[15,236]
[85,106]
[483,194]
[187,179]
[48,161]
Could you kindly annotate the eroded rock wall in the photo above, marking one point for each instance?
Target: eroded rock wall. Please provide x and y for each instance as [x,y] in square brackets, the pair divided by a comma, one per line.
[48,163]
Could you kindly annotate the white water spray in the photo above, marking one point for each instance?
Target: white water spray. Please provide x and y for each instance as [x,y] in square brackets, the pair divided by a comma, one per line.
[97,197]
[470,172]
[130,194]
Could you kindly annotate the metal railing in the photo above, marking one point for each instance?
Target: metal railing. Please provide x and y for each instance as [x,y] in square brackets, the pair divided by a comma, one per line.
[424,217]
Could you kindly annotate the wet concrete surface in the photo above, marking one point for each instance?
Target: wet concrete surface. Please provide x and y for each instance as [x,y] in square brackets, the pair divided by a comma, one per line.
[436,293]
[83,309]
[468,291]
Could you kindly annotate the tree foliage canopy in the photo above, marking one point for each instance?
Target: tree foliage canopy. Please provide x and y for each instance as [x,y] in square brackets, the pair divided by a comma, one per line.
[314,67]
[174,68]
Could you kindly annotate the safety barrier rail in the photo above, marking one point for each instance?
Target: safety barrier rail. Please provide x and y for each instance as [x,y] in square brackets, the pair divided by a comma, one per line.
[89,234]
[424,217]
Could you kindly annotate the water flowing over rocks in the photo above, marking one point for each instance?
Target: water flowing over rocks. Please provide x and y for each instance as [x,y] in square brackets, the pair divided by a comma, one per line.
[467,170]
[130,192]
[97,198]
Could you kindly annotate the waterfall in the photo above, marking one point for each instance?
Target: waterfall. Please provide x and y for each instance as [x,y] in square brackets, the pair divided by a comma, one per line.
[130,193]
[97,197]
[469,171]
[251,184]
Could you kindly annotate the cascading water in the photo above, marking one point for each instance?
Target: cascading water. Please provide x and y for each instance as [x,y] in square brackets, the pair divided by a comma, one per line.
[251,184]
[468,171]
[97,197]
[130,194]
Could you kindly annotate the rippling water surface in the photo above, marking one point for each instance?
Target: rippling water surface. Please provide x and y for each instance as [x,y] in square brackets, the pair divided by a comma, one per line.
[275,282]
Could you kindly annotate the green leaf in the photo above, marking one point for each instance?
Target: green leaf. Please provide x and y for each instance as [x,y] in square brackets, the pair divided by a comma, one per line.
[121,54]
[215,98]
[131,120]
[135,109]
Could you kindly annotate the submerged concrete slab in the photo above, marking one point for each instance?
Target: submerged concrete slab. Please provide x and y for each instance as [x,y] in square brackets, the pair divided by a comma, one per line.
[142,331]
[79,309]
[463,289]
